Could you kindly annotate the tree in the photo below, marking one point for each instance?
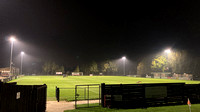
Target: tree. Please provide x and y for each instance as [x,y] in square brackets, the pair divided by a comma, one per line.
[141,68]
[159,64]
[181,61]
[77,69]
[50,68]
[61,69]
[109,67]
[144,66]
[113,67]
[178,61]
[47,67]
[196,66]
[54,68]
[85,68]
[93,67]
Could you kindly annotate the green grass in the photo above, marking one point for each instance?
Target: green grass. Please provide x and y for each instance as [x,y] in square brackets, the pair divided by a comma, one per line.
[71,81]
[178,108]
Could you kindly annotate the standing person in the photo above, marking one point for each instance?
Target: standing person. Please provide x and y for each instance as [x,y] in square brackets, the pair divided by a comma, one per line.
[68,73]
[64,75]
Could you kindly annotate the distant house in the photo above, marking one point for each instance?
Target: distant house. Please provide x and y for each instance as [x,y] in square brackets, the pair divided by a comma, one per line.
[5,72]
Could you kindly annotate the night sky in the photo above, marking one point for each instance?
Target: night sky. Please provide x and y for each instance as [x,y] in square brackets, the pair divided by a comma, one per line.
[73,31]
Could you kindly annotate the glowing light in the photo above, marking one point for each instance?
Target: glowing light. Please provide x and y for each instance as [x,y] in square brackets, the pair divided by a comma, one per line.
[12,39]
[167,51]
[22,53]
[124,58]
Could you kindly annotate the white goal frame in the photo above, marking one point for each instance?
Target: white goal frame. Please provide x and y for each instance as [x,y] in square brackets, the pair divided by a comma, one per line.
[77,73]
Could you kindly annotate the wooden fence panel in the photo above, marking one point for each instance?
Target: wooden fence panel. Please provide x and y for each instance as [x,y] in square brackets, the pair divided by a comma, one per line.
[22,98]
[145,95]
[41,98]
[192,91]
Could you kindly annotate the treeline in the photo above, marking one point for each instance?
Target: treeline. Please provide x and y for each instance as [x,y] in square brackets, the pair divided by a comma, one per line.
[107,67]
[50,68]
[176,62]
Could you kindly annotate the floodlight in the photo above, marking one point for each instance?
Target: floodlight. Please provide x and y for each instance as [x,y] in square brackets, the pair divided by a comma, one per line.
[12,39]
[22,53]
[167,51]
[124,58]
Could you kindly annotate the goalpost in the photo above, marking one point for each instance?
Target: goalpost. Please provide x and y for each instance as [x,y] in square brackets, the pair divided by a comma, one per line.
[77,73]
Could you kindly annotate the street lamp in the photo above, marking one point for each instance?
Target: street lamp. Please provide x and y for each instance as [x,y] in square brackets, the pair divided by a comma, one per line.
[124,59]
[22,55]
[12,39]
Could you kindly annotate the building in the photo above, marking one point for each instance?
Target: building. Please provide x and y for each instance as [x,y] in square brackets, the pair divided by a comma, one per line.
[6,71]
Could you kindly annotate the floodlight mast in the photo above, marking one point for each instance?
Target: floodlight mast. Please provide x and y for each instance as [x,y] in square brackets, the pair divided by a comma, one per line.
[124,60]
[12,39]
[22,55]
[168,52]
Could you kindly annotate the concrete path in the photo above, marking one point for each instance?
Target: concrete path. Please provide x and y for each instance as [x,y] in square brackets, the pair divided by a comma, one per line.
[54,106]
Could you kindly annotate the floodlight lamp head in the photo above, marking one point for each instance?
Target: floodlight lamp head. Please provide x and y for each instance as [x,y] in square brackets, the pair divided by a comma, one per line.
[12,39]
[124,58]
[167,51]
[22,53]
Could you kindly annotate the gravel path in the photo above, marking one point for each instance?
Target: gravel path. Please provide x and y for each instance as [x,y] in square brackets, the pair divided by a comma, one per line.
[54,106]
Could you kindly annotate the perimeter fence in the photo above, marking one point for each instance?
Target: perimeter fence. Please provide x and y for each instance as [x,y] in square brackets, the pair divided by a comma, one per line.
[22,98]
[147,95]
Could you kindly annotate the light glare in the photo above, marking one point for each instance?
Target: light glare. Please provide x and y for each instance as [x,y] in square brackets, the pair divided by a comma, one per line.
[124,58]
[22,53]
[12,39]
[168,51]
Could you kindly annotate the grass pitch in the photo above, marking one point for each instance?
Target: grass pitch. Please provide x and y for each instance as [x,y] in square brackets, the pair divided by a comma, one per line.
[71,81]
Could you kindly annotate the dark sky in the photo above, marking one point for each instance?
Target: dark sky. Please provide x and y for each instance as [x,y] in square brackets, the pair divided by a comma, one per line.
[62,30]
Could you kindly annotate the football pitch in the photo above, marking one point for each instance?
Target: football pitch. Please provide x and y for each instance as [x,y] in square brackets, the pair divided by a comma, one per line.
[70,82]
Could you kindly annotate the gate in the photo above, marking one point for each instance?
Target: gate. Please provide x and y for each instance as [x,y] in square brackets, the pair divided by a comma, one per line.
[66,94]
[87,93]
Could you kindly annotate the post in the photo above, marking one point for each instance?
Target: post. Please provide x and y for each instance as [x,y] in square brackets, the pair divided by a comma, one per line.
[99,95]
[57,94]
[124,66]
[189,104]
[11,58]
[76,97]
[102,93]
[85,93]
[21,61]
[190,108]
[88,95]
[45,93]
